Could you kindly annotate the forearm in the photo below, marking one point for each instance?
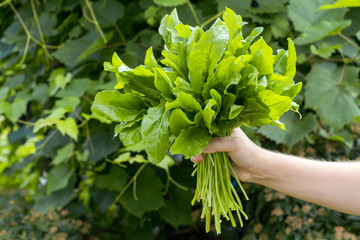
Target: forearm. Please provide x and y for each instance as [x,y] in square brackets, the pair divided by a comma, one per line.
[335,185]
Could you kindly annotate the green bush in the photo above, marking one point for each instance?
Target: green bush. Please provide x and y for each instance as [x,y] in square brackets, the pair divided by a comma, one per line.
[64,157]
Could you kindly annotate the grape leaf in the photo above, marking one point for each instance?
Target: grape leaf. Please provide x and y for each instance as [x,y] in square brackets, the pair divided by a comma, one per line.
[148,192]
[329,92]
[58,178]
[296,129]
[115,180]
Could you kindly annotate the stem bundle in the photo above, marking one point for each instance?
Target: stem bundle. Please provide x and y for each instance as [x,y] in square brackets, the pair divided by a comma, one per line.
[215,190]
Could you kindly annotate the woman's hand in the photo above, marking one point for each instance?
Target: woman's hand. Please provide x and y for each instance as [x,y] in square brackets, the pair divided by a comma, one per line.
[245,155]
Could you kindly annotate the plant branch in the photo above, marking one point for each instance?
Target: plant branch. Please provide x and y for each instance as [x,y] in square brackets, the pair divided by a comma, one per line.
[121,35]
[212,18]
[341,74]
[349,40]
[43,45]
[129,183]
[91,10]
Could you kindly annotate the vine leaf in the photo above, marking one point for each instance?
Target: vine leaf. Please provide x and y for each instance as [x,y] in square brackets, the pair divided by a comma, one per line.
[332,92]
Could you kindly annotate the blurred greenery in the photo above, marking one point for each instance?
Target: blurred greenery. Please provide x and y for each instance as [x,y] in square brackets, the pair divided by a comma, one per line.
[64,176]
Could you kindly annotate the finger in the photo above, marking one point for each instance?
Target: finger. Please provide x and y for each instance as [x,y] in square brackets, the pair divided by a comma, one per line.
[197,159]
[221,144]
[226,144]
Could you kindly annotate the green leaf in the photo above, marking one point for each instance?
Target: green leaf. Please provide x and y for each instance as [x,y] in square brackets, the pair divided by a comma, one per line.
[148,192]
[179,121]
[95,46]
[140,80]
[209,114]
[277,104]
[296,129]
[58,178]
[182,86]
[67,102]
[150,60]
[176,60]
[206,53]
[166,163]
[235,110]
[56,199]
[305,13]
[167,27]
[341,4]
[279,83]
[68,126]
[280,27]
[131,135]
[233,22]
[327,91]
[163,84]
[76,88]
[114,181]
[235,6]
[169,3]
[268,6]
[253,114]
[285,61]
[117,106]
[68,53]
[191,142]
[155,132]
[108,12]
[63,154]
[322,30]
[262,57]
[185,102]
[14,110]
[58,80]
[3,92]
[254,33]
[226,72]
[183,30]
[177,199]
[325,49]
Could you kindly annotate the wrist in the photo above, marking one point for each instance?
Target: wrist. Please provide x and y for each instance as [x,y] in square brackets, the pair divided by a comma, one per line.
[263,168]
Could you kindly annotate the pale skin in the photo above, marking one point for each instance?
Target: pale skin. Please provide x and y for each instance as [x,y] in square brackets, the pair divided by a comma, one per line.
[334,185]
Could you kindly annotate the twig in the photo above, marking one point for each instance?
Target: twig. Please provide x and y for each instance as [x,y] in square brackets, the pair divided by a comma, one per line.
[129,183]
[349,40]
[91,10]
[88,139]
[46,52]
[193,13]
[212,18]
[341,74]
[123,39]
[41,147]
[300,74]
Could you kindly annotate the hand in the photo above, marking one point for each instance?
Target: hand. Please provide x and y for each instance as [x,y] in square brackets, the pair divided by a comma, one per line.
[245,155]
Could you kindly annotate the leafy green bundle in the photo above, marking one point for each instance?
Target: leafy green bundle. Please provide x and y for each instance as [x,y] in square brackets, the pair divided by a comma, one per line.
[213,81]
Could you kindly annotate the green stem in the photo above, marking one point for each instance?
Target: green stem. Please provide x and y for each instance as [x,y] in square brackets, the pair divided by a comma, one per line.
[129,183]
[215,190]
[349,40]
[93,16]
[193,13]
[212,18]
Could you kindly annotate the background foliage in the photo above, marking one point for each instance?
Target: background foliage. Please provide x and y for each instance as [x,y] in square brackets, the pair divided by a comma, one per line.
[78,182]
